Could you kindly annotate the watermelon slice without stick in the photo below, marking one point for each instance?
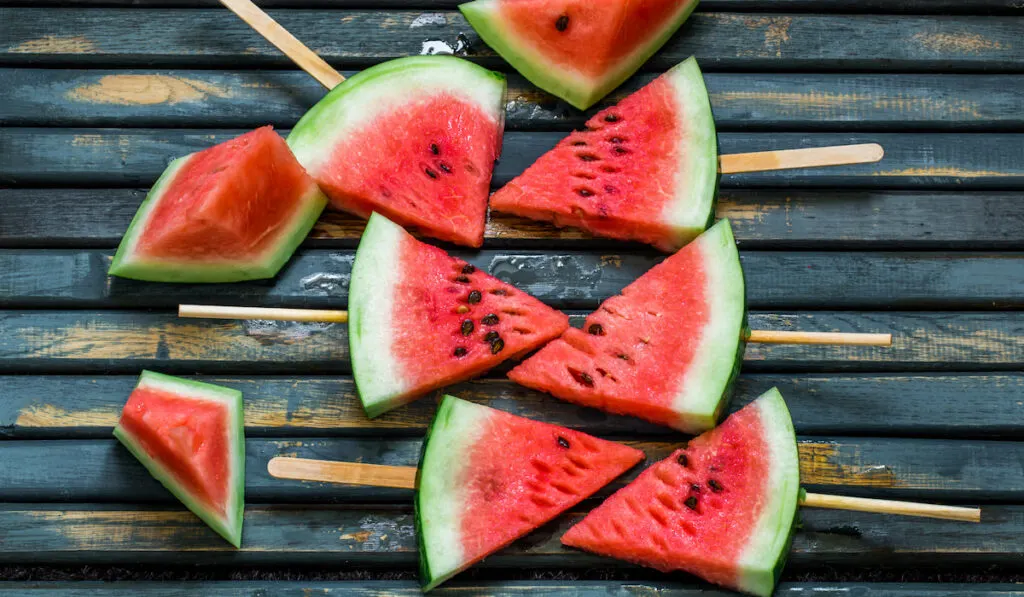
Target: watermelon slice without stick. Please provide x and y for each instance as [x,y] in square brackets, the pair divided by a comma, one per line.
[721,508]
[414,139]
[420,319]
[235,211]
[487,477]
[578,50]
[667,349]
[645,169]
[190,437]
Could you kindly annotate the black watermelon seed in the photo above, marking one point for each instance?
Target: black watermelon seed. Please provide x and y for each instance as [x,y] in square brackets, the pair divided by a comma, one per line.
[563,442]
[715,485]
[624,357]
[434,149]
[462,279]
[474,297]
[500,292]
[695,487]
[431,173]
[460,351]
[445,167]
[497,345]
[609,189]
[562,23]
[611,118]
[489,319]
[490,336]
[582,377]
[467,327]
[595,329]
[683,460]
[621,150]
[584,192]
[691,503]
[587,157]
[468,269]
[579,143]
[615,140]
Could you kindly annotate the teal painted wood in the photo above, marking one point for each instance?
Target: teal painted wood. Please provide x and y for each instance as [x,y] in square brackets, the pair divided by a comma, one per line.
[341,535]
[942,7]
[761,219]
[950,406]
[77,279]
[114,37]
[131,157]
[741,101]
[126,341]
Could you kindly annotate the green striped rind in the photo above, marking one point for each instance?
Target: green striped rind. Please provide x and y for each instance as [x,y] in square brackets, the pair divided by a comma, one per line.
[128,264]
[579,90]
[386,87]
[440,490]
[704,388]
[764,556]
[229,527]
[696,177]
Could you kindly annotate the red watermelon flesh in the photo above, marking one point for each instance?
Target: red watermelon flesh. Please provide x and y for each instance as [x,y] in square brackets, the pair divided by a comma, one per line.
[645,169]
[488,477]
[721,508]
[420,319]
[189,436]
[666,349]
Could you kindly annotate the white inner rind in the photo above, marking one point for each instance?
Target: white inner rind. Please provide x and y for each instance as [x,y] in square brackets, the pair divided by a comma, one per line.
[375,274]
[771,533]
[383,89]
[127,250]
[442,493]
[708,374]
[695,178]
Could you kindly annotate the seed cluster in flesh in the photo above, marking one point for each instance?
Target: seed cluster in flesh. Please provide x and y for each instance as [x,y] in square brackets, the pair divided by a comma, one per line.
[469,325]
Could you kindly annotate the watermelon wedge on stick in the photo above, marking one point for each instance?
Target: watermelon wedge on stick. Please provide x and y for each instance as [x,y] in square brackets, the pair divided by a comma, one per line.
[723,506]
[190,437]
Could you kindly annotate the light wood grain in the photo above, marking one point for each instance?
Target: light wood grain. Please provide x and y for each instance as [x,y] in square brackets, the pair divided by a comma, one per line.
[830,338]
[842,502]
[261,313]
[811,157]
[352,473]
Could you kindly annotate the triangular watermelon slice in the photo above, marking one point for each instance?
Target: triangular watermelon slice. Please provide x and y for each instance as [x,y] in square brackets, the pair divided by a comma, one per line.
[419,319]
[721,508]
[645,169]
[487,477]
[667,349]
[414,139]
[236,211]
[578,50]
[190,436]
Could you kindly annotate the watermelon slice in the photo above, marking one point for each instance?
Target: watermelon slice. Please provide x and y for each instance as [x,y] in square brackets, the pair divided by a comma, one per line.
[235,211]
[645,169]
[578,50]
[414,139]
[667,349]
[420,319]
[721,508]
[487,477]
[190,436]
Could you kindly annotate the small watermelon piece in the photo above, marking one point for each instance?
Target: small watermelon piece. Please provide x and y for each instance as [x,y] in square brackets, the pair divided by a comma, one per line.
[487,477]
[190,436]
[420,319]
[667,349]
[578,50]
[721,508]
[414,139]
[236,211]
[645,169]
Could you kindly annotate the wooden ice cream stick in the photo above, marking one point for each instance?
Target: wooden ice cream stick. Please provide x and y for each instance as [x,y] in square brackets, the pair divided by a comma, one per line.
[404,477]
[317,67]
[328,316]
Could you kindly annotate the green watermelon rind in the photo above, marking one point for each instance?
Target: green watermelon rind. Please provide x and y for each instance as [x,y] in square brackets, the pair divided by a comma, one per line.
[229,528]
[127,264]
[456,426]
[365,95]
[484,18]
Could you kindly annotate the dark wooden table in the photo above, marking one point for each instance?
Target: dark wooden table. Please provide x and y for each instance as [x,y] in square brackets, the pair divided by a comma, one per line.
[96,96]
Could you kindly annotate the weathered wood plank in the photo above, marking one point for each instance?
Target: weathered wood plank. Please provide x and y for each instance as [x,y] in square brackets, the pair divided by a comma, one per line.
[978,406]
[124,342]
[77,279]
[87,471]
[761,219]
[117,37]
[128,157]
[747,101]
[342,535]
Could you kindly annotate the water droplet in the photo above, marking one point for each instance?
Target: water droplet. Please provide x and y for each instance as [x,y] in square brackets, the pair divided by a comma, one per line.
[428,18]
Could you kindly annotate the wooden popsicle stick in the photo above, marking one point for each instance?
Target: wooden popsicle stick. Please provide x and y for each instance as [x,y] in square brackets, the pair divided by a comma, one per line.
[842,502]
[353,473]
[306,59]
[836,155]
[223,312]
[835,338]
